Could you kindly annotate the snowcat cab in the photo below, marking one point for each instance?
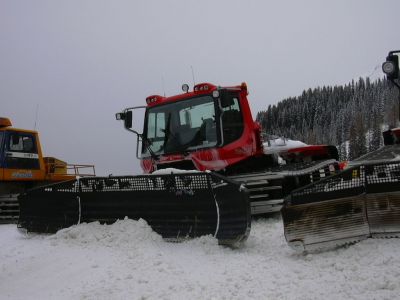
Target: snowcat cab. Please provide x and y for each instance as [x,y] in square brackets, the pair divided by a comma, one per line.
[210,128]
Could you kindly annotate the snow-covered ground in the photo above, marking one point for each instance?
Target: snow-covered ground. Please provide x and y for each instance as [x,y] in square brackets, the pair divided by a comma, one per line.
[128,260]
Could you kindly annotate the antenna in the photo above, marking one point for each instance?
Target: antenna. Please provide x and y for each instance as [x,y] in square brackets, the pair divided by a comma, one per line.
[163,84]
[194,82]
[36,116]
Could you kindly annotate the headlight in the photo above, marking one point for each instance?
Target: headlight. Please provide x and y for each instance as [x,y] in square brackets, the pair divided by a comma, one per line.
[120,116]
[388,67]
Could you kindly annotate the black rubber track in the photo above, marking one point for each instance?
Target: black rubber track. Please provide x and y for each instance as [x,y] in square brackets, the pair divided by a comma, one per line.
[360,202]
[177,206]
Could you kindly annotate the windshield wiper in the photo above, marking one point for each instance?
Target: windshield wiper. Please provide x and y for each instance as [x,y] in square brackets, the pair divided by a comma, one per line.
[177,148]
[166,131]
[147,144]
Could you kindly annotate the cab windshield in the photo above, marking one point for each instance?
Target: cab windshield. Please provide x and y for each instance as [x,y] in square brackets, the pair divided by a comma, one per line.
[180,126]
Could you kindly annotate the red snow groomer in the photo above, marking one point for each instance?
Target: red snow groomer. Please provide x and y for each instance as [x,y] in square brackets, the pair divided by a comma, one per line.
[209,132]
[212,129]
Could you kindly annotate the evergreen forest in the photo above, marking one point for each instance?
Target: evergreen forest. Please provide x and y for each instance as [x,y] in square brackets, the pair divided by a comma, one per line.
[351,117]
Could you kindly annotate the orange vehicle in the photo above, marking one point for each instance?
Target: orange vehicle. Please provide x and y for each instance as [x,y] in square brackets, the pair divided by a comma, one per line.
[22,166]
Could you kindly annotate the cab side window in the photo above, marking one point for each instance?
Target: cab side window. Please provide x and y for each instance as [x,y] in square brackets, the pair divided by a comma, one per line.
[232,119]
[21,143]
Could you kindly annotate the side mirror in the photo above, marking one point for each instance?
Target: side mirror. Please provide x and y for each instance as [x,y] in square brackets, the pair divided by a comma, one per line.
[128,119]
[125,116]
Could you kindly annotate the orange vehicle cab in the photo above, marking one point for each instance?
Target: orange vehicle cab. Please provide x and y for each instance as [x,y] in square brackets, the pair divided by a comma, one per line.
[21,157]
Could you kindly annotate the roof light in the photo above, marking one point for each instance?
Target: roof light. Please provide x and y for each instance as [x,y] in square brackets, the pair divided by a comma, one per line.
[204,87]
[153,99]
[5,122]
[215,94]
[243,86]
[185,87]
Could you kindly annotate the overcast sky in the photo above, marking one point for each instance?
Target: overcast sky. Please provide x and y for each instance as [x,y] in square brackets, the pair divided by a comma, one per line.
[80,62]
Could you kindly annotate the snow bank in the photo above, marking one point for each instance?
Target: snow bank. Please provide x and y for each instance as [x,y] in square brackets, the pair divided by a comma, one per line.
[127,260]
[122,234]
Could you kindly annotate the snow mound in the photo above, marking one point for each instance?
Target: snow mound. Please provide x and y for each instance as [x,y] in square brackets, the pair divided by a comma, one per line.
[123,233]
[206,244]
[278,146]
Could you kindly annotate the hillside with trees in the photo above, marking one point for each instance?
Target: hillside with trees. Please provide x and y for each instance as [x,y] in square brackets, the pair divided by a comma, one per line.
[351,116]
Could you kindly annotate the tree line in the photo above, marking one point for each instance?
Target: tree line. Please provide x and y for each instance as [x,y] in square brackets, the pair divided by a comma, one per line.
[351,117]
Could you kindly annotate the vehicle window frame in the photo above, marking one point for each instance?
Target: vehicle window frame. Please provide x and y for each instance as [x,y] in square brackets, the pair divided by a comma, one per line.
[217,121]
[237,95]
[34,149]
[30,162]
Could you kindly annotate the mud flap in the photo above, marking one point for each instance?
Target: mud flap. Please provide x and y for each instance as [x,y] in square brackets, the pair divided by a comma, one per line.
[357,203]
[384,214]
[177,206]
[320,225]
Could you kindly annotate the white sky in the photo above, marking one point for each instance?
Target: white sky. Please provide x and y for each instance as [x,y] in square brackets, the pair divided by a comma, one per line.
[81,61]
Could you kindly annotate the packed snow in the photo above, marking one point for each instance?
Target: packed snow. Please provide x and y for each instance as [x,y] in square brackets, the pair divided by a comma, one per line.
[280,144]
[167,171]
[127,260]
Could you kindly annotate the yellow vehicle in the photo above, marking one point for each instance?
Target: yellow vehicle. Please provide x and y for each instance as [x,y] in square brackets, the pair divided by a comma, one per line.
[22,166]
